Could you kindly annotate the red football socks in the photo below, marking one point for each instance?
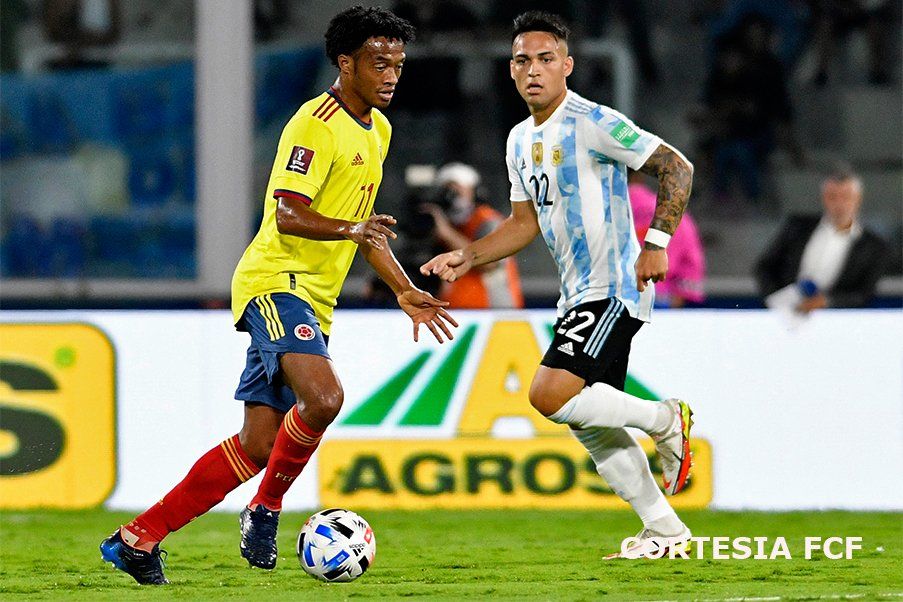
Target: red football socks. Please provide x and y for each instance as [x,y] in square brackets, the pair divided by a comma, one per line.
[295,444]
[215,474]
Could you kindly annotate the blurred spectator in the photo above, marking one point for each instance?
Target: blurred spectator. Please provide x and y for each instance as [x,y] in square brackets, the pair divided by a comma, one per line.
[413,12]
[13,16]
[834,21]
[78,25]
[634,14]
[830,260]
[269,17]
[417,245]
[452,16]
[460,218]
[748,109]
[433,83]
[789,19]
[686,259]
[378,295]
[502,12]
[432,17]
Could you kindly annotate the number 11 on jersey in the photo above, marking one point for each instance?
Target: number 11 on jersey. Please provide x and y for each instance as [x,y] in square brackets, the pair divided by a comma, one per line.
[366,195]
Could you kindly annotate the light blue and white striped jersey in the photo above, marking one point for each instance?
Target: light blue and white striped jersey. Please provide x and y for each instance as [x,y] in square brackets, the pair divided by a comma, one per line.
[574,168]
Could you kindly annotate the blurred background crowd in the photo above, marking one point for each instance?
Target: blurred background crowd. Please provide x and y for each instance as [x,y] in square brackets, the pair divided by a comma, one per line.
[788,108]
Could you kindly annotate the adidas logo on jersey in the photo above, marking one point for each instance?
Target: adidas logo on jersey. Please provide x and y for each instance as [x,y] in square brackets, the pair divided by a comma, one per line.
[358,160]
[567,348]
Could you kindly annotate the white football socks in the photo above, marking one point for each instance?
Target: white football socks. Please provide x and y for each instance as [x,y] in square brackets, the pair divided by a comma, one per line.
[622,463]
[602,405]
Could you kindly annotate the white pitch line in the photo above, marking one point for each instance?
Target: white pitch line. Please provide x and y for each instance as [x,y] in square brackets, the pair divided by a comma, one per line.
[777,598]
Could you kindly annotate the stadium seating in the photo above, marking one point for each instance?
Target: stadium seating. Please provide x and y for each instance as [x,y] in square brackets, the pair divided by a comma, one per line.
[114,149]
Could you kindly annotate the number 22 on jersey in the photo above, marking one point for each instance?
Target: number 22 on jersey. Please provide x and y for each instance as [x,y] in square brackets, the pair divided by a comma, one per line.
[541,189]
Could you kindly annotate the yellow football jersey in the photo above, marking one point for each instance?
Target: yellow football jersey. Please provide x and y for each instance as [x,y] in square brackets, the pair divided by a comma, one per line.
[333,162]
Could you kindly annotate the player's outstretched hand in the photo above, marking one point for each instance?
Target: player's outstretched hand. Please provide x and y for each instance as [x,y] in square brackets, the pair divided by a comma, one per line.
[374,231]
[448,266]
[423,308]
[650,265]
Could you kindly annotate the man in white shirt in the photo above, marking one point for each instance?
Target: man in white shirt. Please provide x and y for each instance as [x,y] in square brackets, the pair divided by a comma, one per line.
[567,166]
[824,261]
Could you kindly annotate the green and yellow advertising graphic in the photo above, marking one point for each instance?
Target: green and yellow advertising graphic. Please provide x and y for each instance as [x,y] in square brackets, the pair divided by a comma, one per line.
[57,416]
[528,462]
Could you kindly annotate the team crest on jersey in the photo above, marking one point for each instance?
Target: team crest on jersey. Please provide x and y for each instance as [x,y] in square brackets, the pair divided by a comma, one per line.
[300,159]
[557,155]
[537,153]
[304,332]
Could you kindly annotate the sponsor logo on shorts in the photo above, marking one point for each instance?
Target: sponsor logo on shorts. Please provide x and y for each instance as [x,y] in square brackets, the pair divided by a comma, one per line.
[304,332]
[567,348]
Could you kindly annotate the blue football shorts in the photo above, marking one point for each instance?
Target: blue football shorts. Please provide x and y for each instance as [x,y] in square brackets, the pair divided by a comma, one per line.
[278,323]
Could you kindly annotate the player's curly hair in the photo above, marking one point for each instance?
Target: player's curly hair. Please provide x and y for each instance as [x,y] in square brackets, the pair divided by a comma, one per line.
[537,20]
[349,29]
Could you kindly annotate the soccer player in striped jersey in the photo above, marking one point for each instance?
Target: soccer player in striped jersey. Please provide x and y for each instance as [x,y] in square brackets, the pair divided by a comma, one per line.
[318,212]
[567,165]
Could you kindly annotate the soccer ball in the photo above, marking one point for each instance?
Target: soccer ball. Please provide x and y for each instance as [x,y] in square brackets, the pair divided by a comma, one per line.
[336,545]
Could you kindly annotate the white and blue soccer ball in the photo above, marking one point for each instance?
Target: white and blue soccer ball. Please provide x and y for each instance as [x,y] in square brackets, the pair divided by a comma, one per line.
[336,545]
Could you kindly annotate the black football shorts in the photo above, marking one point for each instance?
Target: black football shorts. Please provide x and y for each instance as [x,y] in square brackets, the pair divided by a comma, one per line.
[592,341]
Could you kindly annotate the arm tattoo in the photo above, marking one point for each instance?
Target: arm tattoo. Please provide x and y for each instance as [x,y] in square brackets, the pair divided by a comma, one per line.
[675,180]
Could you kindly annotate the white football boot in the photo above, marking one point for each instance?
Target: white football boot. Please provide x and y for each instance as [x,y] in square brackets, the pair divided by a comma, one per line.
[654,545]
[673,447]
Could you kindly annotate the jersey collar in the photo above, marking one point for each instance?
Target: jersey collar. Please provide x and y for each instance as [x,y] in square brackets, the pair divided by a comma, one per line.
[556,114]
[332,92]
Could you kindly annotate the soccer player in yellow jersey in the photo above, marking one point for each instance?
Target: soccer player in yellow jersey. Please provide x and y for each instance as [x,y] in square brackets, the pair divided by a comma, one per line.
[318,213]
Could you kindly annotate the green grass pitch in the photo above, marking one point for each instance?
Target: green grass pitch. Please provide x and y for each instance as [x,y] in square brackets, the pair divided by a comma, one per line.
[436,555]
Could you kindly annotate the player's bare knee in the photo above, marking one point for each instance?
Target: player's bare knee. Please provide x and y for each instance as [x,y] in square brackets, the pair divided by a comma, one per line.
[324,405]
[332,402]
[260,456]
[544,399]
[257,446]
[536,400]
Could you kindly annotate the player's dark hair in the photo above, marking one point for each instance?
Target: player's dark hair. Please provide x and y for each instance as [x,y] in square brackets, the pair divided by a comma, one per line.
[349,29]
[537,20]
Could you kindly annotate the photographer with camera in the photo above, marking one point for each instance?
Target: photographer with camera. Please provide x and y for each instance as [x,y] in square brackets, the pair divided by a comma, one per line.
[461,217]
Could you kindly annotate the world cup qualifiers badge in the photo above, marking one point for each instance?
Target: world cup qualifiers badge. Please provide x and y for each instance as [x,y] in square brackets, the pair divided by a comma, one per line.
[304,332]
[299,160]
